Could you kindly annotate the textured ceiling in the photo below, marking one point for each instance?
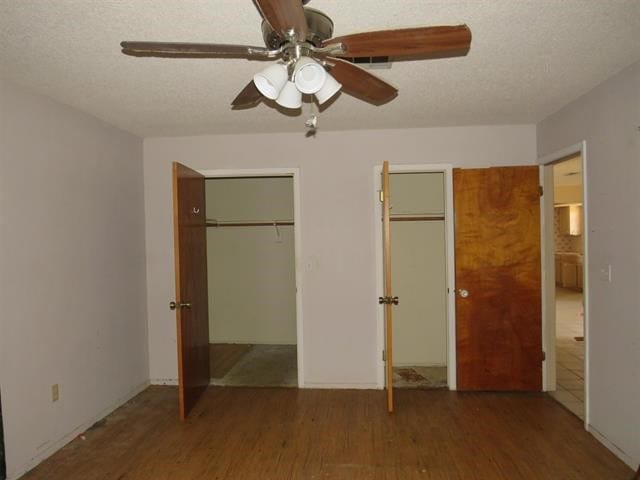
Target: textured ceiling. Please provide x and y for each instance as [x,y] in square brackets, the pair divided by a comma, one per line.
[527,60]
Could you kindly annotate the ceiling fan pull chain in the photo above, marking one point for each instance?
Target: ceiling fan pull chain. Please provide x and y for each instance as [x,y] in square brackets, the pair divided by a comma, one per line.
[312,121]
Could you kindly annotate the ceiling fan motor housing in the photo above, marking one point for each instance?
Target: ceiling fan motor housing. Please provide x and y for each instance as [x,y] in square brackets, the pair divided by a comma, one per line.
[320,29]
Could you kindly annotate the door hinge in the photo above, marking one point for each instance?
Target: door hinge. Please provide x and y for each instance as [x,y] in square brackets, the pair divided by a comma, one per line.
[541,190]
[544,356]
[384,355]
[381,195]
[388,300]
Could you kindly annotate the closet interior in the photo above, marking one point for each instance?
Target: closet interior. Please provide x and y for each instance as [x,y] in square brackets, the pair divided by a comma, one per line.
[418,253]
[252,281]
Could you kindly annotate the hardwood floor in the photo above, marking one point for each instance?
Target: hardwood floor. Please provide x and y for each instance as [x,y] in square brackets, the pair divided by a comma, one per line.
[283,433]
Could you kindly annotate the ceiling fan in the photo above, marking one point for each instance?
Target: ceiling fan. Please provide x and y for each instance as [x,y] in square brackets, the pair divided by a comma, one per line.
[310,60]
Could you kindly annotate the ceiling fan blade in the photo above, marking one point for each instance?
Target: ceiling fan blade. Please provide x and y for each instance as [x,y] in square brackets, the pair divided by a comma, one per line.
[405,42]
[249,97]
[284,16]
[360,83]
[191,50]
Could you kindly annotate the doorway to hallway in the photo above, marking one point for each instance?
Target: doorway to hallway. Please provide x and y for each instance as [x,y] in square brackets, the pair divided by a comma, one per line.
[566,219]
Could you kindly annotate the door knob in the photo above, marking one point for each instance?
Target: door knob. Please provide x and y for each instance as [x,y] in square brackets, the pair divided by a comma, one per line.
[463,293]
[174,305]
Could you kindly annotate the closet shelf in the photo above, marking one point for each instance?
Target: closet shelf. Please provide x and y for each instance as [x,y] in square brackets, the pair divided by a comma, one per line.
[274,223]
[416,218]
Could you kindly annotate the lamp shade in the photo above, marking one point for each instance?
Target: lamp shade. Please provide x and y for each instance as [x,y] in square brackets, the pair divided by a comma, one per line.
[329,89]
[290,96]
[271,80]
[309,75]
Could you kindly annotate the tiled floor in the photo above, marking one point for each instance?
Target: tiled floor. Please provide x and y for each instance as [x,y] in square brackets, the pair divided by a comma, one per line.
[569,351]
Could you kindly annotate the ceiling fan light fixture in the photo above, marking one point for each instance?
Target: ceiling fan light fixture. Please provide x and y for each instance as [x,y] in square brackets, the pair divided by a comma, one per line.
[329,89]
[271,80]
[290,96]
[309,76]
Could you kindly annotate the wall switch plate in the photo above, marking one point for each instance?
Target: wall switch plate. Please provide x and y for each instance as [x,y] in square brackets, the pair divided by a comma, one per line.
[55,392]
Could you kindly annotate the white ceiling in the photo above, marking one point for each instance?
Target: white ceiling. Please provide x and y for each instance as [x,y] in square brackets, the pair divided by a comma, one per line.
[528,59]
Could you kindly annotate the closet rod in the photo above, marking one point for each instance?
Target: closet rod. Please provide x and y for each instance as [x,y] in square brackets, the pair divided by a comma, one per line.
[277,223]
[422,218]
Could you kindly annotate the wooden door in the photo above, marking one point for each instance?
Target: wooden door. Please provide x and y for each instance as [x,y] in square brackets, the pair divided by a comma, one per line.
[388,300]
[191,305]
[498,280]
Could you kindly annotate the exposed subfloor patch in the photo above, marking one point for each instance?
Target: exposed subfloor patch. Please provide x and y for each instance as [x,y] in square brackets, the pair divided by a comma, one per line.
[224,356]
[420,377]
[259,366]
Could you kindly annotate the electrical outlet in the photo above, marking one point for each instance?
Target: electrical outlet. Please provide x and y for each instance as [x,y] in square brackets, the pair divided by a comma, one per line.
[606,273]
[55,392]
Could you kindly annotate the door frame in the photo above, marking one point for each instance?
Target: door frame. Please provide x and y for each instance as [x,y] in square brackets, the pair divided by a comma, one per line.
[297,229]
[447,170]
[548,275]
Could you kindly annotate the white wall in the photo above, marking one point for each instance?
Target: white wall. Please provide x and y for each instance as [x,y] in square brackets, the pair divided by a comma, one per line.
[251,270]
[337,264]
[418,256]
[608,118]
[72,284]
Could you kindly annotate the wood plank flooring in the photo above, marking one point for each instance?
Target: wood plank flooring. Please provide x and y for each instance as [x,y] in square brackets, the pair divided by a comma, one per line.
[283,433]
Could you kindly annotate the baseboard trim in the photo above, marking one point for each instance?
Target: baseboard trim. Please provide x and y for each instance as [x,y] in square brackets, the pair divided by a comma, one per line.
[253,342]
[61,442]
[342,386]
[318,385]
[617,451]
[428,365]
[163,381]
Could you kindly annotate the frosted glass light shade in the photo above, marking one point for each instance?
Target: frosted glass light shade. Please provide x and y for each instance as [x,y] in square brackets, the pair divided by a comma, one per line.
[309,75]
[290,96]
[271,80]
[329,89]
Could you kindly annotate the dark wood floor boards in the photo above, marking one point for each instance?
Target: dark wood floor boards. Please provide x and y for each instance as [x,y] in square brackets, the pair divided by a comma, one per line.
[270,433]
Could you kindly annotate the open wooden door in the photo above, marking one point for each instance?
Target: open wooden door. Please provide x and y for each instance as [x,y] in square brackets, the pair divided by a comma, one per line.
[388,300]
[498,279]
[191,305]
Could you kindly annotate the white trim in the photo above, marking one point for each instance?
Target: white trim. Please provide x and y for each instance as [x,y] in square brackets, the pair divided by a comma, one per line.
[447,170]
[297,233]
[547,286]
[164,381]
[580,148]
[256,341]
[564,152]
[83,427]
[613,447]
[341,386]
[452,368]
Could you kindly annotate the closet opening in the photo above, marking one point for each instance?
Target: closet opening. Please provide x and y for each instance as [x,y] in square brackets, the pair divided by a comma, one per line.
[251,270]
[421,252]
